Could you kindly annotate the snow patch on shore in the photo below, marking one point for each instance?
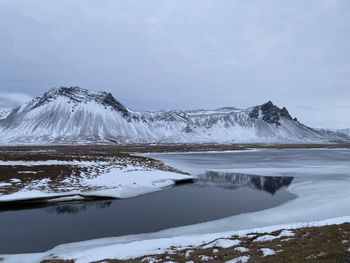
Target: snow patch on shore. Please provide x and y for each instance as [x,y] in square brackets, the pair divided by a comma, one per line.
[267,252]
[117,182]
[223,243]
[242,259]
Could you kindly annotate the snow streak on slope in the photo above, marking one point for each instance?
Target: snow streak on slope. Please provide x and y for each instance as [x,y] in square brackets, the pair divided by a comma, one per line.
[4,113]
[67,115]
[346,131]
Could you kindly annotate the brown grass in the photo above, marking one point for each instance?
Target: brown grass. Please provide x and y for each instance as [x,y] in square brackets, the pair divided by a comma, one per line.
[309,245]
[58,173]
[113,150]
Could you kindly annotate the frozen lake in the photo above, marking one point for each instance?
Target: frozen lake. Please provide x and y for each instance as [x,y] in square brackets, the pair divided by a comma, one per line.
[212,197]
[237,186]
[300,163]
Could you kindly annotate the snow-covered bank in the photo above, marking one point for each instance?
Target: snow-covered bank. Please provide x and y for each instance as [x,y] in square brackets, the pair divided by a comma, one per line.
[114,182]
[112,248]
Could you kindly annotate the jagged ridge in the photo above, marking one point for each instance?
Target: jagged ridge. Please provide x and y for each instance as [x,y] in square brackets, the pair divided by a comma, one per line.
[75,115]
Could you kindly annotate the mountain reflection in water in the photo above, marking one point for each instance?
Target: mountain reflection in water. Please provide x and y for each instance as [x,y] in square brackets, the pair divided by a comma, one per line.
[270,184]
[75,208]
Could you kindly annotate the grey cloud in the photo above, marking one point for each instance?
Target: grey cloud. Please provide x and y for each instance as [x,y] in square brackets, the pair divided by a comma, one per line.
[165,54]
[12,99]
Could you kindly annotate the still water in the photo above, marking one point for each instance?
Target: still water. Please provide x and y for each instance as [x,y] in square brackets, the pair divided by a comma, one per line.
[213,196]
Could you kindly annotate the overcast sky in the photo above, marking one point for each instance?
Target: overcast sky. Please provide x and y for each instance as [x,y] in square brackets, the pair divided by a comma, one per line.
[183,54]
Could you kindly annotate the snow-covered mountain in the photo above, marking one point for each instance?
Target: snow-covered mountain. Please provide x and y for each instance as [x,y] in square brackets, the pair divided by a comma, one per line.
[75,115]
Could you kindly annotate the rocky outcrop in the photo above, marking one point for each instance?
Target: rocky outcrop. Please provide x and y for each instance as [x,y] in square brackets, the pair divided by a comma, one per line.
[270,113]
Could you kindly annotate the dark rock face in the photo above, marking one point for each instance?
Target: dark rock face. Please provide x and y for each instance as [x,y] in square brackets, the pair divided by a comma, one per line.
[109,100]
[188,129]
[270,113]
[254,113]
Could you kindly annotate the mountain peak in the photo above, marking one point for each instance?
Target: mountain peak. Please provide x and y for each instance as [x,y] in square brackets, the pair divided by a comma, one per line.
[72,92]
[79,95]
[269,103]
[270,113]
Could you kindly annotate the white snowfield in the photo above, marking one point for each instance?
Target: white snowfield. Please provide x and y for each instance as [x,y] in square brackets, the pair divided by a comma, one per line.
[116,182]
[66,115]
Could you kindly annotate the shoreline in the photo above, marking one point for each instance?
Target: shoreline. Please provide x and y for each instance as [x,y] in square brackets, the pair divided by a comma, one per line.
[171,148]
[295,242]
[67,199]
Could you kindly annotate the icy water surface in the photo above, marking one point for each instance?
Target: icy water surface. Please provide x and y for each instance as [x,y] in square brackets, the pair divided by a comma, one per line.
[301,163]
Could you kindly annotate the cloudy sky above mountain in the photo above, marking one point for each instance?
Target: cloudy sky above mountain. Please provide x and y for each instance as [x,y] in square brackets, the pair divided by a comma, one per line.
[167,54]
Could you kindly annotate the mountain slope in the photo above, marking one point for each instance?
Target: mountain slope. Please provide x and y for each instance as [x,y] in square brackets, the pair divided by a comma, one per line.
[75,115]
[346,131]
